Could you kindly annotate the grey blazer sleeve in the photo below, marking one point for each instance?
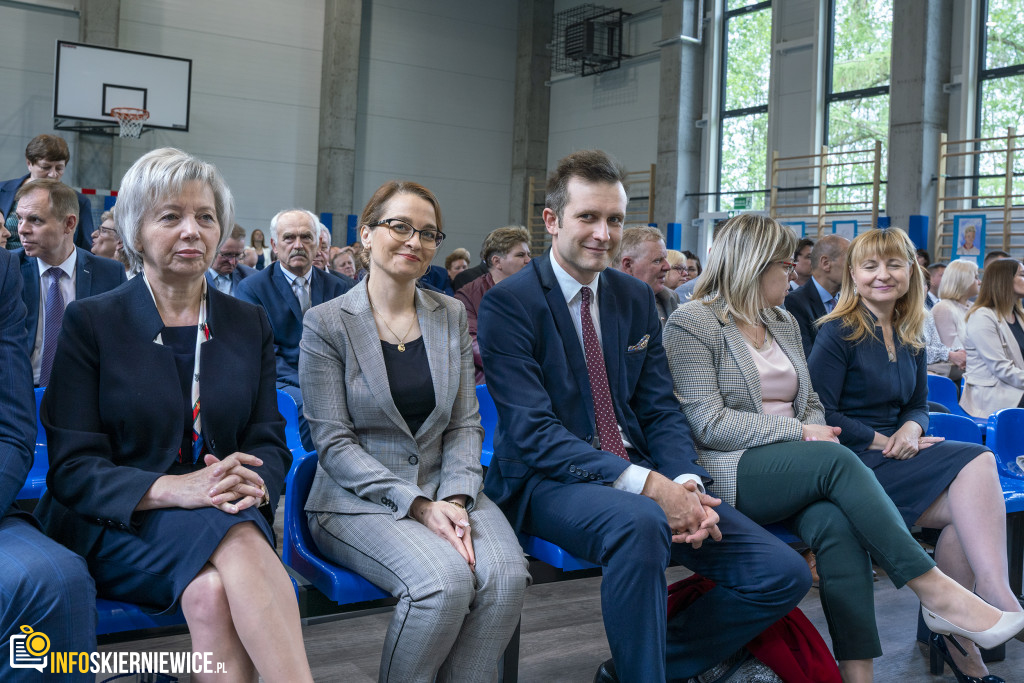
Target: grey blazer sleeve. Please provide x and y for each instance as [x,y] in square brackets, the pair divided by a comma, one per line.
[326,407]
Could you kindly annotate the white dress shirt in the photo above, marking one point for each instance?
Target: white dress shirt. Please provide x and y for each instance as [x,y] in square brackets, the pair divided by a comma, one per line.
[634,477]
[67,290]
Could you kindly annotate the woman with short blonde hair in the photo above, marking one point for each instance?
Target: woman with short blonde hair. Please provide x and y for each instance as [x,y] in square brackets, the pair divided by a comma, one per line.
[959,284]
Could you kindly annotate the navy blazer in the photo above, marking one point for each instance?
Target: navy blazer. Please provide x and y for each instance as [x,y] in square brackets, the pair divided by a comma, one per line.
[93,275]
[112,409]
[18,408]
[240,272]
[537,375]
[805,304]
[270,289]
[83,233]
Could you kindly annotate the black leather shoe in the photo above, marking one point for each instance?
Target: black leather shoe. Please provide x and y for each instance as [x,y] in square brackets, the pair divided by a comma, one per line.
[606,673]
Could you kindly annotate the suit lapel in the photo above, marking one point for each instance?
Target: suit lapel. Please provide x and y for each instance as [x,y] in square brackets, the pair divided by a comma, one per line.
[31,296]
[737,347]
[83,274]
[362,335]
[285,290]
[443,357]
[316,286]
[613,335]
[566,330]
[1010,342]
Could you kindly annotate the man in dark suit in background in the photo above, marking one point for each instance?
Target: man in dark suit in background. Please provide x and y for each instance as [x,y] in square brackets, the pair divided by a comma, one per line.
[227,271]
[46,157]
[55,272]
[286,290]
[592,451]
[45,586]
[820,294]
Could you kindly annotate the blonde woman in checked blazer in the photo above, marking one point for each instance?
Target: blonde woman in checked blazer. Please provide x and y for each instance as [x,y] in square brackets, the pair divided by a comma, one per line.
[388,384]
[740,375]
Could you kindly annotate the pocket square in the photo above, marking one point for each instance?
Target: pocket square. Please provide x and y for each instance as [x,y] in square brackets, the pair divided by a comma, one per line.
[640,345]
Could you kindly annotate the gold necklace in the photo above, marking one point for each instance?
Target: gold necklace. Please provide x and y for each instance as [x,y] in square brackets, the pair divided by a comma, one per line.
[401,340]
[764,339]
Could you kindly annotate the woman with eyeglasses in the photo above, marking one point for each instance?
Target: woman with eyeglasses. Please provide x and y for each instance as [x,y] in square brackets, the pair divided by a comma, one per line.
[869,368]
[105,240]
[676,274]
[388,382]
[738,367]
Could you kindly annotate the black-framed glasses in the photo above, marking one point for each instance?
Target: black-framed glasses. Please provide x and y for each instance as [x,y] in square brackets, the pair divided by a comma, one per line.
[112,231]
[401,231]
[679,268]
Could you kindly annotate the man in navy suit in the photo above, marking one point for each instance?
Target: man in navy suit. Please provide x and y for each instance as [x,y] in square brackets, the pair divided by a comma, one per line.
[47,216]
[227,272]
[286,290]
[43,585]
[820,294]
[593,453]
[46,157]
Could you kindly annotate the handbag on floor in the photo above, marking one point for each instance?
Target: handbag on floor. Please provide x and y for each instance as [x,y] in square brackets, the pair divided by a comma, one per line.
[791,650]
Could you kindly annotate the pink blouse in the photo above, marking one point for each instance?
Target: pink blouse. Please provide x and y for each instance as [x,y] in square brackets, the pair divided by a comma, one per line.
[778,380]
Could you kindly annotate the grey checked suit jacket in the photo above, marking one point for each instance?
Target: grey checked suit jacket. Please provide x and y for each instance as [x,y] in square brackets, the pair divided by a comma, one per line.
[719,387]
[369,460]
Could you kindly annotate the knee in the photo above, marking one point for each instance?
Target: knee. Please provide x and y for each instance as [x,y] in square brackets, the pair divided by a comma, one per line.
[640,536]
[450,589]
[49,582]
[504,580]
[205,600]
[789,580]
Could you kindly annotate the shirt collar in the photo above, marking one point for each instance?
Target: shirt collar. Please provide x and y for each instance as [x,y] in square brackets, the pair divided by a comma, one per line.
[822,292]
[569,285]
[291,276]
[68,266]
[214,274]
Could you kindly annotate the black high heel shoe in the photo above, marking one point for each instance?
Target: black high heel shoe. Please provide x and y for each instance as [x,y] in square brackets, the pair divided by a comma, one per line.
[938,654]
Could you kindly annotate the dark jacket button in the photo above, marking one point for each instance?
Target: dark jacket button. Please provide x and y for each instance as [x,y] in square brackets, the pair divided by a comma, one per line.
[413,460]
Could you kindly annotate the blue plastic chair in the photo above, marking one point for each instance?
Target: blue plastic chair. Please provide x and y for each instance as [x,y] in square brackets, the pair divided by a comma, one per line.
[943,390]
[488,420]
[35,482]
[299,552]
[290,412]
[953,427]
[1006,439]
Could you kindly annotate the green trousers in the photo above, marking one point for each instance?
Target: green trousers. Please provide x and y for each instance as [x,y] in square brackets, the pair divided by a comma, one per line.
[832,501]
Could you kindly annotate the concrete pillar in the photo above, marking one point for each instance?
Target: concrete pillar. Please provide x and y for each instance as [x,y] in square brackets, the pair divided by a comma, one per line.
[532,103]
[680,105]
[98,24]
[339,82]
[918,109]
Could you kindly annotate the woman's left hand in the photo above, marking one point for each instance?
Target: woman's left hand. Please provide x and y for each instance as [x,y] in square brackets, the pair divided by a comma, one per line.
[907,441]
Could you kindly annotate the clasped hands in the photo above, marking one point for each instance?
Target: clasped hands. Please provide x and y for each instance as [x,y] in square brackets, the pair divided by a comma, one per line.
[447,520]
[691,514]
[905,442]
[228,485]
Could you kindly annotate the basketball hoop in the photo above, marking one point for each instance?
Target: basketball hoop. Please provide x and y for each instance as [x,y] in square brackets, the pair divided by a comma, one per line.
[131,120]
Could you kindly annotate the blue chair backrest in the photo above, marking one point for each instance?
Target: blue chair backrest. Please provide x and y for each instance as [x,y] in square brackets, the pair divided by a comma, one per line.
[296,530]
[1006,439]
[942,390]
[953,427]
[35,482]
[290,412]
[488,420]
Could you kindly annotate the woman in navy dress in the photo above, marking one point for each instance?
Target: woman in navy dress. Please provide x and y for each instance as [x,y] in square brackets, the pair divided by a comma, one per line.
[168,497]
[868,367]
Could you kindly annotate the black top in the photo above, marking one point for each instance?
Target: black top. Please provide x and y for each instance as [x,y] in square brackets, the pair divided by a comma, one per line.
[182,341]
[412,388]
[1018,333]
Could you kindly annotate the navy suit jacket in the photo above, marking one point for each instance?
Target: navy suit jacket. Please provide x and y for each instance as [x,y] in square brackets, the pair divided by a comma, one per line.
[83,233]
[93,275]
[270,289]
[113,409]
[805,304]
[18,408]
[237,275]
[537,375]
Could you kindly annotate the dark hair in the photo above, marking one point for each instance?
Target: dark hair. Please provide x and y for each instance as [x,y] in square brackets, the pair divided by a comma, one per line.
[63,200]
[47,147]
[252,239]
[373,212]
[237,233]
[927,257]
[997,289]
[591,165]
[995,254]
[804,242]
[690,255]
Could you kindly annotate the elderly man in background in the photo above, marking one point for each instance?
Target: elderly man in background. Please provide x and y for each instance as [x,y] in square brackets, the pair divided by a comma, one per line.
[643,255]
[286,289]
[227,271]
[820,294]
[55,272]
[505,251]
[46,157]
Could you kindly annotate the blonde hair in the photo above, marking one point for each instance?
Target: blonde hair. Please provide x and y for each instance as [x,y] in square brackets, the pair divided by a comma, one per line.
[957,279]
[908,316]
[676,258]
[743,248]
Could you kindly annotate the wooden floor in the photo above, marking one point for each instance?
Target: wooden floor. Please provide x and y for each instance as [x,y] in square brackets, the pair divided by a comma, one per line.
[563,638]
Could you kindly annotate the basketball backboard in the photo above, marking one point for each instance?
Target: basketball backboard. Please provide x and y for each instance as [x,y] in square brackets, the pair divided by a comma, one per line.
[90,80]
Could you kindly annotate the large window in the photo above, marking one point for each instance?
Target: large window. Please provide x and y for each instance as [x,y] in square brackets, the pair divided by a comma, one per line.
[746,59]
[858,95]
[1000,96]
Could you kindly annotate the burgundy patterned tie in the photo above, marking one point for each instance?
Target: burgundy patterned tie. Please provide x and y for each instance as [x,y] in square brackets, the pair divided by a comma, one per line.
[604,411]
